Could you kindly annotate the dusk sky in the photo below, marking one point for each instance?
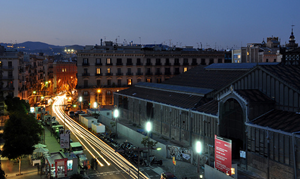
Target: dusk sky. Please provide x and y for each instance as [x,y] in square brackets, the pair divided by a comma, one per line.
[224,23]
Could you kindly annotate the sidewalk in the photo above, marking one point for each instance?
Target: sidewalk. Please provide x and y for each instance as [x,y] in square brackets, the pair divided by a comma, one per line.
[11,168]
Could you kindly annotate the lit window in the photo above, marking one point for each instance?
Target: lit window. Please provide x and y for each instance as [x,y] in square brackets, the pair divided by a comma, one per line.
[129,81]
[108,70]
[108,61]
[63,70]
[148,80]
[98,70]
[247,53]
[184,69]
[239,56]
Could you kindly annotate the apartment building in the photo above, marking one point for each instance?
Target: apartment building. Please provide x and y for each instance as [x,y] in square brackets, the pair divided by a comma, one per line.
[9,62]
[105,69]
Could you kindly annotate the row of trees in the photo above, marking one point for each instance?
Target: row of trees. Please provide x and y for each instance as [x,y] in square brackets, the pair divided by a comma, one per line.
[21,131]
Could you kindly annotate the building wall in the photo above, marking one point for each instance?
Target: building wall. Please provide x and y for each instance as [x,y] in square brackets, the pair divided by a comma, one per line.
[287,98]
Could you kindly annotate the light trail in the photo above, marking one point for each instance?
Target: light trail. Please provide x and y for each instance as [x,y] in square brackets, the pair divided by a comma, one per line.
[94,142]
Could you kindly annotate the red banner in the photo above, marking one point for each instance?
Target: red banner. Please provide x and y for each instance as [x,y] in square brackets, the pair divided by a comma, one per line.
[223,154]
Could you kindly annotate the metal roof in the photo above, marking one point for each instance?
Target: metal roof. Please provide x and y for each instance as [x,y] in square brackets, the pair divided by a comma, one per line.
[236,65]
[174,88]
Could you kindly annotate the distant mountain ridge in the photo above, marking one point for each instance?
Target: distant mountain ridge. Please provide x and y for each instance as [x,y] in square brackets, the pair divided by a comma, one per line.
[34,46]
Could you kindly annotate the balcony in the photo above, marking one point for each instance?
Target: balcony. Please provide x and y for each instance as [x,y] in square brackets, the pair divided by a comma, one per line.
[158,73]
[139,74]
[157,64]
[149,73]
[129,64]
[168,64]
[186,64]
[129,74]
[139,64]
[194,63]
[109,64]
[85,64]
[109,74]
[120,74]
[85,74]
[6,67]
[167,73]
[98,64]
[98,74]
[149,64]
[176,73]
[7,78]
[119,64]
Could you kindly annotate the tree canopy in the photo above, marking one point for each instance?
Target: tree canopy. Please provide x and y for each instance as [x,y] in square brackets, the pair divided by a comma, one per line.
[15,104]
[21,133]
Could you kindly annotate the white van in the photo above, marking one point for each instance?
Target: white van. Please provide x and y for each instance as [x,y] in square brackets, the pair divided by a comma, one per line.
[76,147]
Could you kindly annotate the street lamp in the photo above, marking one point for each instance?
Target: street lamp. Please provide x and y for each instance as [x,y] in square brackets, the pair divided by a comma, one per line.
[80,100]
[199,151]
[116,115]
[148,129]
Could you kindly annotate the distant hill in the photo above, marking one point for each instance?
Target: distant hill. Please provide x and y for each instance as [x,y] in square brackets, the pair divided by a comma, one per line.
[36,47]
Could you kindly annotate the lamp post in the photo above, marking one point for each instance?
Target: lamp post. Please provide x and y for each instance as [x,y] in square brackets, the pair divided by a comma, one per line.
[98,92]
[116,115]
[80,100]
[199,151]
[148,129]
[95,107]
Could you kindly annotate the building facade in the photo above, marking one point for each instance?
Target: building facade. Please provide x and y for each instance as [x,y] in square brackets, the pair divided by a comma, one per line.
[255,106]
[111,68]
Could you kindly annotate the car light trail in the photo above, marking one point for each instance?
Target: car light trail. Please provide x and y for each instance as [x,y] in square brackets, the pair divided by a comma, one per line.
[94,142]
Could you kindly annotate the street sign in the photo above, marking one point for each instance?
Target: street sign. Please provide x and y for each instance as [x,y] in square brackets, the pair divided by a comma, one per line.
[174,161]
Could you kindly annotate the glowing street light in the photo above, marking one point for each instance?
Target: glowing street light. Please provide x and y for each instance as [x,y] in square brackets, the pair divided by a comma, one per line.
[80,100]
[199,151]
[95,105]
[116,115]
[148,129]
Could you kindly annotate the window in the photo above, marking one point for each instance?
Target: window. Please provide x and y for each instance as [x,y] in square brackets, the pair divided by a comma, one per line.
[211,61]
[267,60]
[109,97]
[85,93]
[85,70]
[119,82]
[167,70]
[108,62]
[98,71]
[158,80]
[203,61]
[184,69]
[62,70]
[86,83]
[148,70]
[167,61]
[139,71]
[98,61]
[129,70]
[108,82]
[85,61]
[139,80]
[149,80]
[148,60]
[129,82]
[176,61]
[10,64]
[119,71]
[108,70]
[219,60]
[98,83]
[176,71]
[10,74]
[129,61]
[119,61]
[185,61]
[138,61]
[274,60]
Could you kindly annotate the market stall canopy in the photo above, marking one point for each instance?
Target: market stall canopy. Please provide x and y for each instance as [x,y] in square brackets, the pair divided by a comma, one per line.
[39,146]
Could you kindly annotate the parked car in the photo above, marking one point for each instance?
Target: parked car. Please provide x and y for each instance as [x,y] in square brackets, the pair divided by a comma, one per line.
[167,175]
[71,113]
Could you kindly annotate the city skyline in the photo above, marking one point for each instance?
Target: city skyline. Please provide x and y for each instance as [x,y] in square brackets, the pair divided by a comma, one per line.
[212,24]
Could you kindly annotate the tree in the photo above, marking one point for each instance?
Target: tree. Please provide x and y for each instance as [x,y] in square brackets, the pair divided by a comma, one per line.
[21,133]
[15,104]
[146,142]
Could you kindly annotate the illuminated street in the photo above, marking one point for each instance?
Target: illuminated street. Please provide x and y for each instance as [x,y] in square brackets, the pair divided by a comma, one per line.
[108,160]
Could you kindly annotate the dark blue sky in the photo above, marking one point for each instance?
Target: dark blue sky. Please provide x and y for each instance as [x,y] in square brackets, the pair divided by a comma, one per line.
[219,23]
